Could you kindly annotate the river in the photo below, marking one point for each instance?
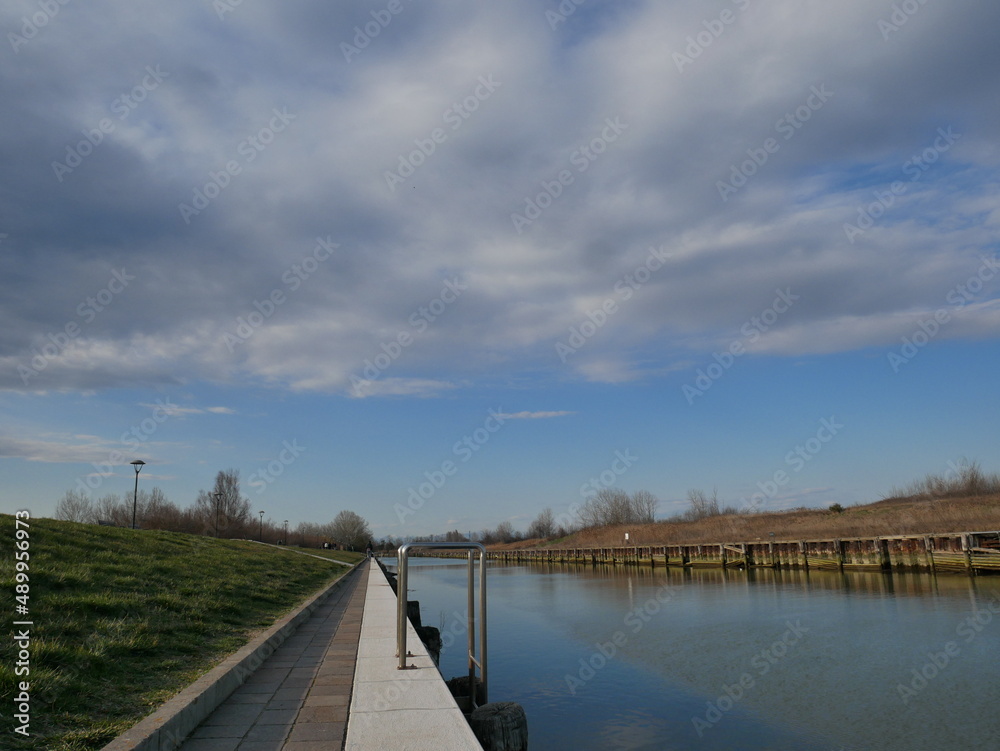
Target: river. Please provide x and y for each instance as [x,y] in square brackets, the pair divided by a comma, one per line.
[713,660]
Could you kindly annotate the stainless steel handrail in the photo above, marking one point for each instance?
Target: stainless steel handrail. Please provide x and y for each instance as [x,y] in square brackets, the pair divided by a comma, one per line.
[403,557]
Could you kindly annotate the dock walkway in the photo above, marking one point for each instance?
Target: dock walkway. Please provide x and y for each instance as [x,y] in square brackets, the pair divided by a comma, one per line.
[298,699]
[334,684]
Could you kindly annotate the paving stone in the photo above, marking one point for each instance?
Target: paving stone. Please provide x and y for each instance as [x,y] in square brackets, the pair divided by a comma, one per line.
[317,731]
[277,716]
[272,710]
[274,745]
[268,733]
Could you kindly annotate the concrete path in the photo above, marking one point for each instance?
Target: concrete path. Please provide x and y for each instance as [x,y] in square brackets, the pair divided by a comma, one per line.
[298,699]
[409,710]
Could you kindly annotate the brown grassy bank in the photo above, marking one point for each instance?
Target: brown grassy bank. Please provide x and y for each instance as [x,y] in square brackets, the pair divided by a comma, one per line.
[894,516]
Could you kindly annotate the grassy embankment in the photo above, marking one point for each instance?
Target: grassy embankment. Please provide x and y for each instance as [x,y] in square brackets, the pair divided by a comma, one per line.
[124,619]
[912,514]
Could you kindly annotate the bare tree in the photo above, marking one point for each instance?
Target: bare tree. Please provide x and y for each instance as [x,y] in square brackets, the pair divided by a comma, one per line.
[205,510]
[158,512]
[74,507]
[607,507]
[234,507]
[543,525]
[701,505]
[110,508]
[505,532]
[224,512]
[488,536]
[350,530]
[644,506]
[612,507]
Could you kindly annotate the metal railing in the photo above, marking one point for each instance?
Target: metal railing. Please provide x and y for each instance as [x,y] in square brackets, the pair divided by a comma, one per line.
[403,556]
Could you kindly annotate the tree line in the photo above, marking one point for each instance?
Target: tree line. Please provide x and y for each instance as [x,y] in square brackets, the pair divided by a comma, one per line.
[607,507]
[222,511]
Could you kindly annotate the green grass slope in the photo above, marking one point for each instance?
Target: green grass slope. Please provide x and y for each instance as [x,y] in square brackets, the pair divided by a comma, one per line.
[124,619]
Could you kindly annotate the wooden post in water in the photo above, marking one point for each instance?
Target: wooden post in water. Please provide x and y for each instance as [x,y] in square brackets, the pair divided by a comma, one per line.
[501,726]
[968,554]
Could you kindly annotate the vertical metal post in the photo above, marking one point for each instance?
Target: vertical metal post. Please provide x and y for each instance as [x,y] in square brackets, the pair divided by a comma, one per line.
[401,577]
[135,496]
[482,621]
[471,628]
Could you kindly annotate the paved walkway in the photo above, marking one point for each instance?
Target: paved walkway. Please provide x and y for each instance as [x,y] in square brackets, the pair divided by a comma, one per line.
[400,709]
[298,699]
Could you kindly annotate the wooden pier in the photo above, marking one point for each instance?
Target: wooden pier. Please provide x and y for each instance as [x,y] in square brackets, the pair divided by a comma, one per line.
[971,553]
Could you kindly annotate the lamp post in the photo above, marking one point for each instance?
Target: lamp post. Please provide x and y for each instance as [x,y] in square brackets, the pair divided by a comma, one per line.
[218,503]
[261,526]
[137,465]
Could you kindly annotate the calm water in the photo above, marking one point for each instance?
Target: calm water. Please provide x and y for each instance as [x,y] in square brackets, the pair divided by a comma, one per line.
[713,660]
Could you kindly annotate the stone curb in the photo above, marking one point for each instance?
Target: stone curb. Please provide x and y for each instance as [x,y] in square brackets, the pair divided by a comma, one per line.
[166,728]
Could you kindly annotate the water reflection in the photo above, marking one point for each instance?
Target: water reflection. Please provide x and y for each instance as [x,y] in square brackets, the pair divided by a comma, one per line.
[639,658]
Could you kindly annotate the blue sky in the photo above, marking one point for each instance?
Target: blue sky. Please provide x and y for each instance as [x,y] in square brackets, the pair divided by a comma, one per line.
[660,246]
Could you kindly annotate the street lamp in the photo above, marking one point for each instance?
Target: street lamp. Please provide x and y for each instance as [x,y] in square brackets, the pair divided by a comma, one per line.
[261,526]
[218,504]
[137,465]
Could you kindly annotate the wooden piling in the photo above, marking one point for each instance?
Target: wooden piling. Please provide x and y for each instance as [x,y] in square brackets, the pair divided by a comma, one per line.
[971,553]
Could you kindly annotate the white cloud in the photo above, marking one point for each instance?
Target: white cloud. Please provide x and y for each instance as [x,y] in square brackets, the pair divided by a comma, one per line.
[324,176]
[68,449]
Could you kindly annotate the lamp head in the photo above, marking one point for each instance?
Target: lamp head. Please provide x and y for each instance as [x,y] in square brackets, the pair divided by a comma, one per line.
[138,464]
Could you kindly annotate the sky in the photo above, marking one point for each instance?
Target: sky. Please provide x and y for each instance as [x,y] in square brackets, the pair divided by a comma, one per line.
[447,263]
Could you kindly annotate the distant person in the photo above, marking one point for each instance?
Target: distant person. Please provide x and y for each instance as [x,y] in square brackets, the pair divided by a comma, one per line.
[370,550]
